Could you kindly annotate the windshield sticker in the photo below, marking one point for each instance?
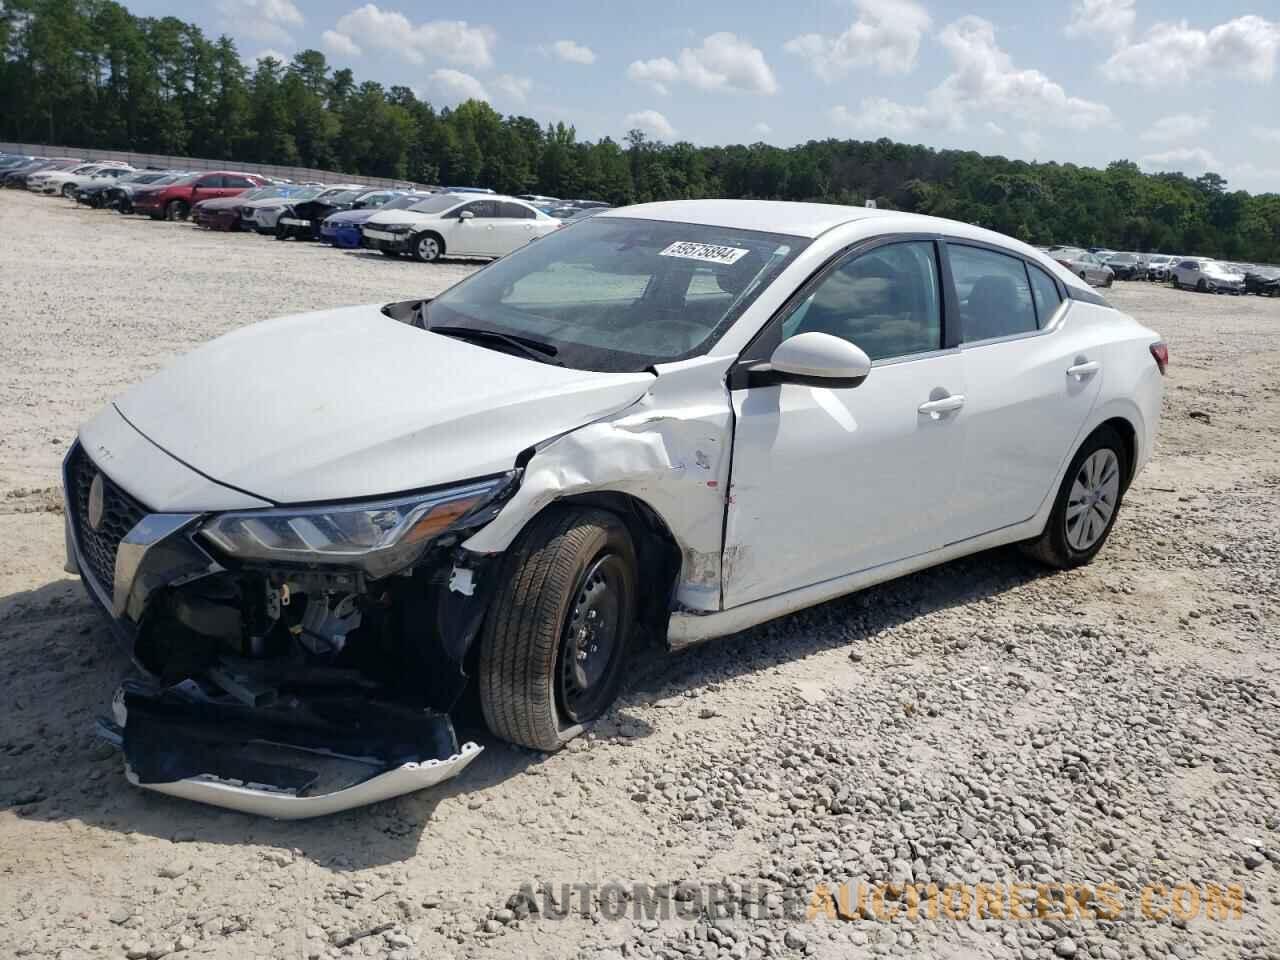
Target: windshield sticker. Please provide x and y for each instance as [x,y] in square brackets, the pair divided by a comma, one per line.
[709,252]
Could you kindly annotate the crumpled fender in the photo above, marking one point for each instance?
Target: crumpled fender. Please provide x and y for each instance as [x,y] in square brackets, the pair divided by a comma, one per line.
[671,449]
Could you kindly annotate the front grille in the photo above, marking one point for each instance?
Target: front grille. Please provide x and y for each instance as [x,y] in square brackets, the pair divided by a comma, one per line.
[120,514]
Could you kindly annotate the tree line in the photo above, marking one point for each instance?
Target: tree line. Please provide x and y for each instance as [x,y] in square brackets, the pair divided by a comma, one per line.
[87,73]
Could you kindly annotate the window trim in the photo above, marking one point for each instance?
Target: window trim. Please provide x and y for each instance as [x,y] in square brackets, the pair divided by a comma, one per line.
[1056,320]
[767,339]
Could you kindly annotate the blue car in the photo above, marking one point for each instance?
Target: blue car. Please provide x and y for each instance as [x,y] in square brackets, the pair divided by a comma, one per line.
[342,229]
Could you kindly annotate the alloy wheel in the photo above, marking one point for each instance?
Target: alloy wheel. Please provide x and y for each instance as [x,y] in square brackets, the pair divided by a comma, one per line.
[428,248]
[1093,498]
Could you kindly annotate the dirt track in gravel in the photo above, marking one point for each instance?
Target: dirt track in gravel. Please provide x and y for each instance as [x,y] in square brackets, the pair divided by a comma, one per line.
[974,723]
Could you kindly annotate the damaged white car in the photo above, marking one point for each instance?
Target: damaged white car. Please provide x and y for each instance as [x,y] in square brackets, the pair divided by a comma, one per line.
[676,420]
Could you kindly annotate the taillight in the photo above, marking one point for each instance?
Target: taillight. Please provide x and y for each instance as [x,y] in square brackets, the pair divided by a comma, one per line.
[1160,351]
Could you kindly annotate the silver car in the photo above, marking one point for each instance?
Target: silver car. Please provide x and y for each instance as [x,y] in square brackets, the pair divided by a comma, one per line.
[1158,266]
[1085,265]
[1207,276]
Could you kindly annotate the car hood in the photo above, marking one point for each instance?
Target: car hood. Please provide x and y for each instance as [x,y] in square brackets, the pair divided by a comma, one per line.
[267,203]
[351,403]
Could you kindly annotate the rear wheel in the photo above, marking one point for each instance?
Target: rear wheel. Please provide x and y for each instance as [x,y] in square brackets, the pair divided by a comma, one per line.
[1087,504]
[556,637]
[176,210]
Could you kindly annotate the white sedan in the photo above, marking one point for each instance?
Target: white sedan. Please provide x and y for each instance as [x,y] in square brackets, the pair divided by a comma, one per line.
[457,225]
[677,419]
[66,182]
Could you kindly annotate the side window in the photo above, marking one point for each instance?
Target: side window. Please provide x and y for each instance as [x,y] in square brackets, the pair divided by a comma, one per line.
[885,301]
[480,208]
[210,182]
[230,181]
[1045,292]
[515,211]
[995,296]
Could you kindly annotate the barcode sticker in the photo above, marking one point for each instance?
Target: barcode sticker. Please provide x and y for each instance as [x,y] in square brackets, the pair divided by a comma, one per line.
[709,252]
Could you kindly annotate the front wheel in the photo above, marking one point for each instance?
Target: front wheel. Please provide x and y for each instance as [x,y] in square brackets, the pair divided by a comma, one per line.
[69,191]
[1087,504]
[427,248]
[556,637]
[176,210]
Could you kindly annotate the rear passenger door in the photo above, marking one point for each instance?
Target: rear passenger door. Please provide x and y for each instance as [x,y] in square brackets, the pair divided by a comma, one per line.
[1031,381]
[514,225]
[474,236]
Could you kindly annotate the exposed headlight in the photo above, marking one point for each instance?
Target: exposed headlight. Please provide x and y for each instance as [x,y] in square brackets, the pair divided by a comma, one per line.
[380,537]
[392,227]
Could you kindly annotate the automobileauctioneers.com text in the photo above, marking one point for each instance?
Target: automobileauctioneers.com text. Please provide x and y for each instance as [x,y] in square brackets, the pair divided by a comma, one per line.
[857,900]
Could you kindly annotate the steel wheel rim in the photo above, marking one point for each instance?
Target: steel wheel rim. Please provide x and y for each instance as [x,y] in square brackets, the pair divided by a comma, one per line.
[428,248]
[1092,502]
[592,639]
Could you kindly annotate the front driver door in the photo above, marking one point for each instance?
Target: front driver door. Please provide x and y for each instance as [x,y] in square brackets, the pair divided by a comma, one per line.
[827,482]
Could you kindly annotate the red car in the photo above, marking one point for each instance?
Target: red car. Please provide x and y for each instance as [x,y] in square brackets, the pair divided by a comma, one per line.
[175,200]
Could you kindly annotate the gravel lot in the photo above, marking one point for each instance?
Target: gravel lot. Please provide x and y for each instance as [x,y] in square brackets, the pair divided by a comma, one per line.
[980,723]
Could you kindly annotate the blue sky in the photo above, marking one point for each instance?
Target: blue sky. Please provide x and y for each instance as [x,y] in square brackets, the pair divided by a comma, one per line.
[1170,85]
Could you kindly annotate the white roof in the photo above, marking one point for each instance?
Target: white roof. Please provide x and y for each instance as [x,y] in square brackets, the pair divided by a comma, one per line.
[771,216]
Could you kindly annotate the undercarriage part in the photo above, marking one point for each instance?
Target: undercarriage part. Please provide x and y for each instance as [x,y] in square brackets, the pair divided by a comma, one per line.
[314,750]
[326,623]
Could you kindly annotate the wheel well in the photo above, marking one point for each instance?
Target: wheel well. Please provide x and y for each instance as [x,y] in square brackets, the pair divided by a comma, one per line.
[431,233]
[657,553]
[1129,436]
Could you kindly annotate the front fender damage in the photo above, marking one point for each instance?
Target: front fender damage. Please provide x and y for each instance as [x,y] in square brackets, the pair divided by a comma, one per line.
[671,449]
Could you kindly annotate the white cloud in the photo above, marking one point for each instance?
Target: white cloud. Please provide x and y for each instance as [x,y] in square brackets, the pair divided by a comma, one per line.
[454,86]
[453,41]
[993,128]
[515,88]
[1172,53]
[1176,126]
[723,62]
[1033,140]
[266,21]
[570,51]
[339,44]
[1267,134]
[762,128]
[252,62]
[651,122]
[879,116]
[983,81]
[1106,20]
[886,35]
[1189,160]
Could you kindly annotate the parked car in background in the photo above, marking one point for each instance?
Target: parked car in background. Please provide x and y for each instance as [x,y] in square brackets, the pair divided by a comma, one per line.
[119,195]
[52,182]
[466,190]
[568,215]
[174,201]
[1127,266]
[1264,281]
[16,178]
[96,193]
[226,213]
[498,489]
[538,200]
[1085,265]
[248,209]
[1207,276]
[266,216]
[451,225]
[1158,265]
[342,229]
[303,220]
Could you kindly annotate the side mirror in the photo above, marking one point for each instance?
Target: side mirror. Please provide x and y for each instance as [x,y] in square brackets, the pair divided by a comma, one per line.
[816,360]
[466,215]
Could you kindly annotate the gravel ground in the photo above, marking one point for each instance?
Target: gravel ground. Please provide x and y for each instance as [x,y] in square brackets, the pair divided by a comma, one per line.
[986,722]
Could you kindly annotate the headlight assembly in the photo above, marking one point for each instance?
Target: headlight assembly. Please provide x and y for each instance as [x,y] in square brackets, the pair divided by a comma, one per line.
[379,537]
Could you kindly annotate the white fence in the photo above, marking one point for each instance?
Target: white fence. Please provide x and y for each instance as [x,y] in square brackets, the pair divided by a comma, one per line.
[165,162]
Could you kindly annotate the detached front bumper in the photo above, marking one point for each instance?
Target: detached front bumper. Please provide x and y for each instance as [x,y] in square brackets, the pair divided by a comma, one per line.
[297,227]
[267,736]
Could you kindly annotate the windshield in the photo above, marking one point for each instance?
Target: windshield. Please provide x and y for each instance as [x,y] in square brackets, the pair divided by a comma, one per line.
[346,196]
[620,294]
[402,202]
[437,203]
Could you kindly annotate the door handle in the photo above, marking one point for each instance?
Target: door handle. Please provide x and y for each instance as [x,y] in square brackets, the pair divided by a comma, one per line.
[1085,369]
[936,408]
